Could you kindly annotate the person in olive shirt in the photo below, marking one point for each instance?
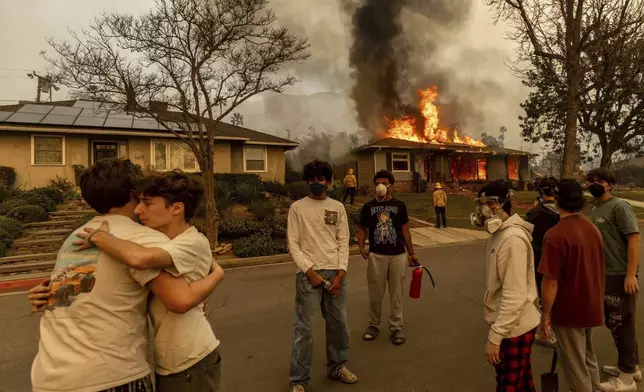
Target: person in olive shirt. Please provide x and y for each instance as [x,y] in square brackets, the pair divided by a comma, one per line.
[385,219]
[616,221]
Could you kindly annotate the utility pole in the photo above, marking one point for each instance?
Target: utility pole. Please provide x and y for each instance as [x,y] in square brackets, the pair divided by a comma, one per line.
[45,85]
[288,133]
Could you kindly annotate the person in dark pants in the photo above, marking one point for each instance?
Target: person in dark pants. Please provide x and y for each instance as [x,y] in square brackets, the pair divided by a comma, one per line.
[350,184]
[616,221]
[543,216]
[440,204]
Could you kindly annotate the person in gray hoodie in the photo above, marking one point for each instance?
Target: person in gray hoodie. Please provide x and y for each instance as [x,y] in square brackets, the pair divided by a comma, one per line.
[510,299]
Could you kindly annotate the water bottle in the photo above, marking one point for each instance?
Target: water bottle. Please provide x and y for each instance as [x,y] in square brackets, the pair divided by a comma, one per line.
[327,285]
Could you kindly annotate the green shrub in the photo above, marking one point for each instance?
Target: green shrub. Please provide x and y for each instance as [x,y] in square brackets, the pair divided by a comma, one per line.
[275,188]
[262,210]
[3,250]
[6,194]
[38,199]
[64,185]
[5,238]
[10,204]
[234,227]
[28,214]
[11,226]
[363,190]
[261,244]
[7,177]
[353,215]
[278,227]
[51,192]
[236,179]
[82,221]
[223,198]
[299,190]
[247,193]
[336,193]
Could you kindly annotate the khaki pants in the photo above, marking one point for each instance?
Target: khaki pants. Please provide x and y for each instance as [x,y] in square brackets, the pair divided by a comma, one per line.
[575,348]
[386,271]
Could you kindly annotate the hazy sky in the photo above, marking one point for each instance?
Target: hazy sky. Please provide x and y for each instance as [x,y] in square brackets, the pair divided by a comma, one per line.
[477,55]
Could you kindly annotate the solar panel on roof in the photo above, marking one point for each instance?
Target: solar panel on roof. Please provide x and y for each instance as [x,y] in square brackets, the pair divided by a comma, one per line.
[59,119]
[27,118]
[145,123]
[67,111]
[5,115]
[31,108]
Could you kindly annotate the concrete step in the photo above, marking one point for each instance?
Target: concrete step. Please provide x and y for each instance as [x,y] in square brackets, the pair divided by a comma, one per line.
[49,223]
[40,232]
[29,258]
[37,242]
[27,267]
[68,213]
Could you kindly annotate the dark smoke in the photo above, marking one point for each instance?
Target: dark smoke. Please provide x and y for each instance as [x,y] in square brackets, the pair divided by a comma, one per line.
[395,51]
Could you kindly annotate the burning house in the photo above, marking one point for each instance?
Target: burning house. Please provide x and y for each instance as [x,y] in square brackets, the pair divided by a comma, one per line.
[418,147]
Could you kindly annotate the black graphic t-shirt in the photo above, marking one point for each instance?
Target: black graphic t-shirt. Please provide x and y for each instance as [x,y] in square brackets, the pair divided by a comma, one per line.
[384,221]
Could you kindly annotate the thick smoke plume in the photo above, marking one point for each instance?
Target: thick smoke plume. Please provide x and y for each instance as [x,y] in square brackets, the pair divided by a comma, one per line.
[397,49]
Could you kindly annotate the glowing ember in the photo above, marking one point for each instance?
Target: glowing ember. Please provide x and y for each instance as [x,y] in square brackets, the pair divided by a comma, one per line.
[405,128]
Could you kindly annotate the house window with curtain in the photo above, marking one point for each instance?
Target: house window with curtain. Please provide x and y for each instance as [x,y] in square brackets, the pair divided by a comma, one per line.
[400,162]
[255,159]
[48,150]
[170,154]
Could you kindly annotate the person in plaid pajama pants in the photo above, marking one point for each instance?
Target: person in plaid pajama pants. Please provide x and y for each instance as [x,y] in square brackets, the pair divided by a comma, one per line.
[510,299]
[514,372]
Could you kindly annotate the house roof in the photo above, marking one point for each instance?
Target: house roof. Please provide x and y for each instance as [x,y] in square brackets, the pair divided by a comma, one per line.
[393,143]
[78,116]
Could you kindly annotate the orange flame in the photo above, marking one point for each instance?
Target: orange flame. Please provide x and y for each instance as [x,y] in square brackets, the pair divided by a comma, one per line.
[405,128]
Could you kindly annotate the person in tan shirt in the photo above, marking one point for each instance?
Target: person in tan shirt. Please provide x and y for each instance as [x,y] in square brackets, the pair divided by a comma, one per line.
[350,184]
[440,204]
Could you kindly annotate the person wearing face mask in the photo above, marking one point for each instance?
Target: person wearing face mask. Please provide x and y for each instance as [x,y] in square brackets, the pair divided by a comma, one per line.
[618,226]
[318,241]
[510,308]
[440,204]
[350,184]
[390,250]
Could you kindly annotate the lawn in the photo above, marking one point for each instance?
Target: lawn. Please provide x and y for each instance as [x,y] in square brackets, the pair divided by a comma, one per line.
[631,195]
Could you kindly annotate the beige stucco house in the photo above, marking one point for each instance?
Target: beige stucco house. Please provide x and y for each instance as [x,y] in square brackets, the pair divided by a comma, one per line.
[44,140]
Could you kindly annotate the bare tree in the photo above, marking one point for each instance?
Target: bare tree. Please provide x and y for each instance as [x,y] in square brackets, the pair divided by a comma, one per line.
[238,119]
[196,55]
[555,35]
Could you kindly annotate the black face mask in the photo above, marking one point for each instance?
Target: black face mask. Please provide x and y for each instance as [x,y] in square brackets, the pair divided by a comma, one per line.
[317,189]
[597,190]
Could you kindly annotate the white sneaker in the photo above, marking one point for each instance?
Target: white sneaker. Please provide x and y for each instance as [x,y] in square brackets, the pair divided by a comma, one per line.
[615,372]
[616,384]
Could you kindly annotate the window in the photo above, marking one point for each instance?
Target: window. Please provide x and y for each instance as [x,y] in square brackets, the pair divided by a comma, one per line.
[48,150]
[513,168]
[400,162]
[472,169]
[170,155]
[254,159]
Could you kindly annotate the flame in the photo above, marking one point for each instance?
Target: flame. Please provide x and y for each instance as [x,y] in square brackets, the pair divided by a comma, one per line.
[405,128]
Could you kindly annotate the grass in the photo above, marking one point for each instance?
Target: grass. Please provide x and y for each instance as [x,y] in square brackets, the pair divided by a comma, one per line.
[631,195]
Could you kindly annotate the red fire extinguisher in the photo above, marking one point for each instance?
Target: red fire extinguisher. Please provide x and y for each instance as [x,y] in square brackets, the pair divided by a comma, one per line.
[417,281]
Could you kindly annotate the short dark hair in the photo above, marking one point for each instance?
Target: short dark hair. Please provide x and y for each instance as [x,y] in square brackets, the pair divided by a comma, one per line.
[384,174]
[547,186]
[570,195]
[500,190]
[174,187]
[601,174]
[109,183]
[318,168]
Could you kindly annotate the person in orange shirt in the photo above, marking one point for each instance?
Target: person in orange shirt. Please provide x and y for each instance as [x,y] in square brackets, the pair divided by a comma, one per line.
[440,203]
[350,183]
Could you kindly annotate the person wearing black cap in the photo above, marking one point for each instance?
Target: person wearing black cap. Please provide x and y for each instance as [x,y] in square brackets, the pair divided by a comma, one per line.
[573,271]
[510,308]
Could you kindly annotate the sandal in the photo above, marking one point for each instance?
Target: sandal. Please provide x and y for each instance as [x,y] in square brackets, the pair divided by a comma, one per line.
[398,337]
[371,333]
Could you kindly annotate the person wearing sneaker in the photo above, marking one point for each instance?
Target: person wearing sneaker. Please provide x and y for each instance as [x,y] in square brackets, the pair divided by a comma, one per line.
[573,271]
[385,219]
[618,225]
[318,241]
[510,308]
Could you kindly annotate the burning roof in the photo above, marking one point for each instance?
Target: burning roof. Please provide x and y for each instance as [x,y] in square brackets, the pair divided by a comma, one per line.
[407,128]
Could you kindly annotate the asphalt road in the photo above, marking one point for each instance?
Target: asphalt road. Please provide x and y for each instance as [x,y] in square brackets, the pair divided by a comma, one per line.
[252,315]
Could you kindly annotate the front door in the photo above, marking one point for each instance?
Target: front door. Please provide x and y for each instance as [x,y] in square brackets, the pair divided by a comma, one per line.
[105,150]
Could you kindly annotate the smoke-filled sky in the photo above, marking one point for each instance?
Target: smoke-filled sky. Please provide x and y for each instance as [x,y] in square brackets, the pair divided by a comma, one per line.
[448,43]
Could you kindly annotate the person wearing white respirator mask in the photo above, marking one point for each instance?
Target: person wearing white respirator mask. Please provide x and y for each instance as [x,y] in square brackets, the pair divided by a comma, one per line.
[510,299]
[386,221]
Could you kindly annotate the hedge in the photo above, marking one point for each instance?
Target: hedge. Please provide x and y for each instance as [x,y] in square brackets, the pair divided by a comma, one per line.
[261,244]
[39,199]
[5,238]
[51,192]
[3,250]
[28,214]
[299,190]
[11,226]
[236,228]
[275,188]
[247,193]
[236,179]
[10,204]
[262,210]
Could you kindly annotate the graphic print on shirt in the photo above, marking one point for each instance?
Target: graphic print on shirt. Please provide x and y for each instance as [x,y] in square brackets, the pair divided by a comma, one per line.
[73,274]
[385,231]
[330,217]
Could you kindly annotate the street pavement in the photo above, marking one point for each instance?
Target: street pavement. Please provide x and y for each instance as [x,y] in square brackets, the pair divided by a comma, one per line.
[252,315]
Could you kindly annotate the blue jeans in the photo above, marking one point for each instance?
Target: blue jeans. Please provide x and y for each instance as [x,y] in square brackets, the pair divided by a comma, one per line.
[334,310]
